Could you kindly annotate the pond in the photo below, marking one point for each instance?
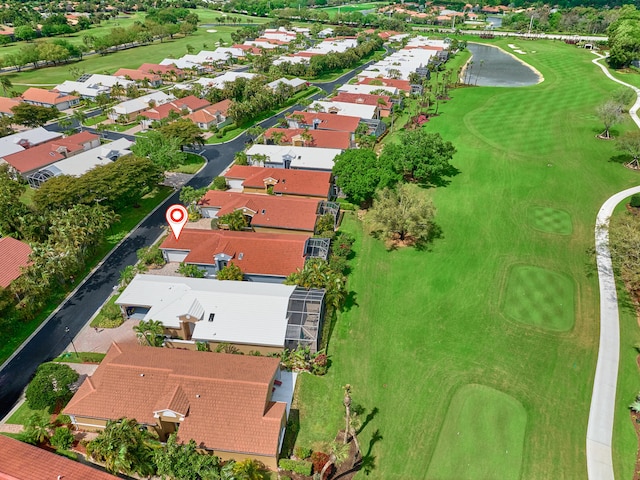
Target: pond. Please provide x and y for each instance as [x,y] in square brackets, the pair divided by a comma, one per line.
[493,67]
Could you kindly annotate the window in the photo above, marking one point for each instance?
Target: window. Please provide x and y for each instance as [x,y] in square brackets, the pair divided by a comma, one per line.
[211,316]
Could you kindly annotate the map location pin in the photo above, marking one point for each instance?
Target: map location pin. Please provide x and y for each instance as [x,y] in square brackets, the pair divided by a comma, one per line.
[177,217]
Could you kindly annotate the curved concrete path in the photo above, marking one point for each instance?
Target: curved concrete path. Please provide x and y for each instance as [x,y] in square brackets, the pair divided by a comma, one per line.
[603,398]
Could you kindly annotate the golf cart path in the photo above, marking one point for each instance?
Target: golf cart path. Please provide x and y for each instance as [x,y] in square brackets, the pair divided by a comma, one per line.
[603,398]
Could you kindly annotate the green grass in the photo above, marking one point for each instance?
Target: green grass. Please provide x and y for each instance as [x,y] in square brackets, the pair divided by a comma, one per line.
[22,415]
[128,220]
[332,11]
[89,122]
[83,357]
[118,127]
[539,297]
[192,164]
[27,196]
[424,324]
[550,220]
[483,433]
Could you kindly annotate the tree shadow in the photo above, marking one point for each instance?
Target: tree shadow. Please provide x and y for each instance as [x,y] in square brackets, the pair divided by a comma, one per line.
[370,416]
[621,159]
[367,463]
[350,302]
[425,244]
[444,179]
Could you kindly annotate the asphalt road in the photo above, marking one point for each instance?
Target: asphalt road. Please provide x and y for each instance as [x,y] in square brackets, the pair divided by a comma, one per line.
[51,340]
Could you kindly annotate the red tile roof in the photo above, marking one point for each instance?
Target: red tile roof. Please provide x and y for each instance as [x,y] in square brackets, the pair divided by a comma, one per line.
[288,213]
[14,254]
[208,114]
[285,181]
[21,461]
[321,138]
[330,121]
[255,253]
[228,397]
[190,103]
[157,68]
[137,75]
[404,85]
[40,95]
[49,152]
[7,103]
[363,99]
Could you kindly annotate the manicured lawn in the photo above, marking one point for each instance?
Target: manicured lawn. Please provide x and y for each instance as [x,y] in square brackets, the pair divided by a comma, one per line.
[192,164]
[353,8]
[483,429]
[24,413]
[83,357]
[424,325]
[89,122]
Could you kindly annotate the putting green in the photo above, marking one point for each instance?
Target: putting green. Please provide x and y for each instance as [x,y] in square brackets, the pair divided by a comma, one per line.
[550,220]
[482,437]
[539,297]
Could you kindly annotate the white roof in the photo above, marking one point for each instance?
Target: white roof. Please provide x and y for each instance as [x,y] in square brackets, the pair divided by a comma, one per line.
[294,82]
[264,43]
[107,80]
[349,109]
[85,161]
[142,103]
[291,60]
[367,89]
[308,158]
[333,46]
[244,312]
[14,143]
[180,63]
[219,81]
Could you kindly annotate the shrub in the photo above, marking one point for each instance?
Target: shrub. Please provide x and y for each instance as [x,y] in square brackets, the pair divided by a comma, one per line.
[219,183]
[50,386]
[320,364]
[63,420]
[109,317]
[214,224]
[296,466]
[338,263]
[189,270]
[635,201]
[342,244]
[302,452]
[325,223]
[151,255]
[319,460]
[62,438]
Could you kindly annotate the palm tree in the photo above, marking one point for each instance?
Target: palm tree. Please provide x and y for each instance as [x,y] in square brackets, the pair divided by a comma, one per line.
[277,137]
[80,117]
[37,429]
[347,408]
[150,333]
[124,447]
[6,85]
[338,453]
[250,470]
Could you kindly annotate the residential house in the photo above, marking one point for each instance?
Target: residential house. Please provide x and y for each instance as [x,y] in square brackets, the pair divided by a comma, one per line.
[182,64]
[268,213]
[20,141]
[49,98]
[262,257]
[153,79]
[215,115]
[383,102]
[22,461]
[30,160]
[180,106]
[368,89]
[297,84]
[14,255]
[6,104]
[130,109]
[219,81]
[170,72]
[300,137]
[298,158]
[90,86]
[81,163]
[251,316]
[278,181]
[401,85]
[232,406]
[323,121]
[360,110]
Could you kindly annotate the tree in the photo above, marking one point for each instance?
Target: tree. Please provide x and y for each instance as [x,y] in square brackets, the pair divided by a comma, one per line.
[33,116]
[184,131]
[421,157]
[190,196]
[37,429]
[630,143]
[234,221]
[62,438]
[317,273]
[190,270]
[150,333]
[403,214]
[255,132]
[250,469]
[358,173]
[124,447]
[624,245]
[609,113]
[181,461]
[338,454]
[230,272]
[165,151]
[80,117]
[50,386]
[25,32]
[6,85]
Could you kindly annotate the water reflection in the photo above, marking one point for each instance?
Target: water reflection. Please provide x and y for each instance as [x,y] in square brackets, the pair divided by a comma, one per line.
[493,67]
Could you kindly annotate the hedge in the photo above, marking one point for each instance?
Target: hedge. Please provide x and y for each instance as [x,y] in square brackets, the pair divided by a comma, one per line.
[297,466]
